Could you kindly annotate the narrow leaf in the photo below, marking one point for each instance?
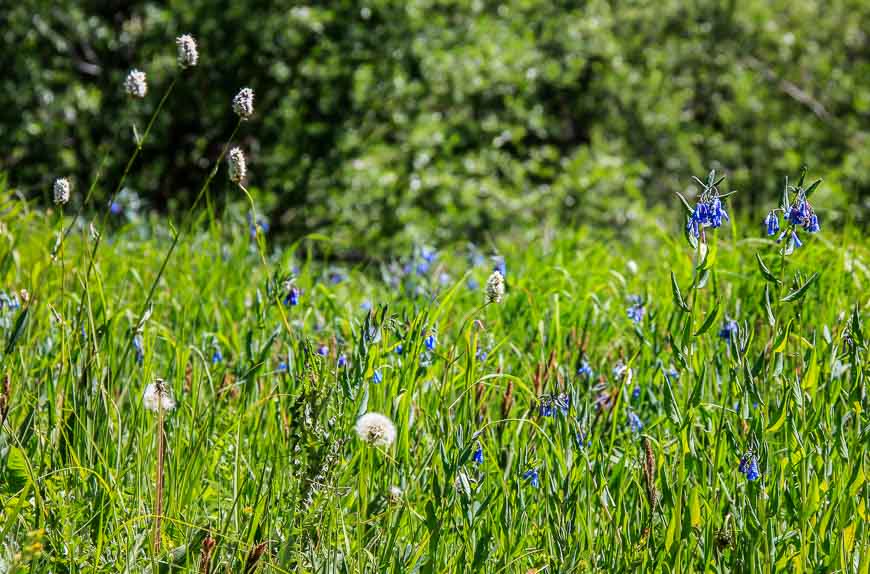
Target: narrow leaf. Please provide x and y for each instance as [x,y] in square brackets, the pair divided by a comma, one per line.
[678,297]
[798,293]
[765,271]
[708,322]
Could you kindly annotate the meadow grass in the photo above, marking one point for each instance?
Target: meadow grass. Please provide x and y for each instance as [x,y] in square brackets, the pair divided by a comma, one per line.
[549,432]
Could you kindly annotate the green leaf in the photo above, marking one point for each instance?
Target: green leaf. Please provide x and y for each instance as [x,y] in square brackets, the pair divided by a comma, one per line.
[673,409]
[813,187]
[765,271]
[782,338]
[685,203]
[678,297]
[780,418]
[771,318]
[16,466]
[708,322]
[798,293]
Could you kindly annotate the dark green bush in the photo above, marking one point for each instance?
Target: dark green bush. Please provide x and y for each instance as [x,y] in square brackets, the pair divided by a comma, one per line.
[388,120]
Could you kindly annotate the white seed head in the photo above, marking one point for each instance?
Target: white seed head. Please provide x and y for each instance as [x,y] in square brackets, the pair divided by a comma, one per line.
[395,494]
[243,103]
[158,397]
[495,287]
[135,84]
[187,54]
[238,166]
[61,190]
[376,429]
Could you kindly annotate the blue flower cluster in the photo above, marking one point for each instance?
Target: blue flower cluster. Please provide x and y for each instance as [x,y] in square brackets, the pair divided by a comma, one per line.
[798,214]
[708,212]
[749,466]
[549,405]
[636,310]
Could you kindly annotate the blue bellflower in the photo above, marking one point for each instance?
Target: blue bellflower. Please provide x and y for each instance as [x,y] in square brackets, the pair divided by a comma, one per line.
[532,476]
[292,298]
[430,342]
[217,357]
[634,422]
[377,377]
[477,457]
[585,369]
[707,213]
[729,330]
[342,360]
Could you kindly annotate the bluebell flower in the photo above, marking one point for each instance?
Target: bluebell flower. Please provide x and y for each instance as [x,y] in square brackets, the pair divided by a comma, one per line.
[444,278]
[216,357]
[707,213]
[583,440]
[422,267]
[282,367]
[430,342]
[729,329]
[499,265]
[749,466]
[752,472]
[772,223]
[618,369]
[336,277]
[585,369]
[477,457]
[342,360]
[399,349]
[365,305]
[292,298]
[480,354]
[635,393]
[473,284]
[377,377]
[532,476]
[115,208]
[634,422]
[137,347]
[813,225]
[672,373]
[323,350]
[636,310]
[795,240]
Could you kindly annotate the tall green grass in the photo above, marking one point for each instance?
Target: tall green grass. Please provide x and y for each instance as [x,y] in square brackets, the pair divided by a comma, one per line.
[261,454]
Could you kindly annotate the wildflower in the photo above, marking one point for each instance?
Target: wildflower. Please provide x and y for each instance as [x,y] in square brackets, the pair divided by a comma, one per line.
[472,284]
[672,373]
[395,494]
[238,167]
[398,349]
[532,476]
[772,223]
[635,393]
[342,360]
[377,377]
[480,354]
[243,103]
[707,213]
[137,347]
[187,54]
[376,429]
[323,350]
[365,305]
[749,466]
[135,84]
[795,240]
[61,190]
[548,404]
[585,369]
[282,367]
[495,287]
[729,329]
[477,457]
[583,440]
[115,208]
[158,397]
[500,265]
[430,342]
[619,369]
[634,422]
[636,310]
[292,297]
[217,357]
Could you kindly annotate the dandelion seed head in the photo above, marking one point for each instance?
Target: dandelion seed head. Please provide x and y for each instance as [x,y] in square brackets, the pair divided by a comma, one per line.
[395,494]
[158,396]
[243,103]
[376,429]
[187,53]
[61,190]
[135,84]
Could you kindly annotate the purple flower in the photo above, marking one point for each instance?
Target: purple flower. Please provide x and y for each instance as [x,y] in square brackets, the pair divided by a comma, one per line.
[323,350]
[729,329]
[585,369]
[292,298]
[342,360]
[634,422]
[772,223]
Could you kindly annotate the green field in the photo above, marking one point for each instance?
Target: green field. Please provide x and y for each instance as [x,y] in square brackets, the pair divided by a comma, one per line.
[550,432]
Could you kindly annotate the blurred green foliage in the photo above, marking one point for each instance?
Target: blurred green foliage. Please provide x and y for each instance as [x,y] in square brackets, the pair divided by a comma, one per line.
[429,120]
